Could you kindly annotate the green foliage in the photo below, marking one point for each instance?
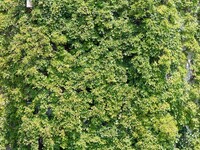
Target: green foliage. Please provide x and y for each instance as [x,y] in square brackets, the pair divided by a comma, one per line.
[2,120]
[100,74]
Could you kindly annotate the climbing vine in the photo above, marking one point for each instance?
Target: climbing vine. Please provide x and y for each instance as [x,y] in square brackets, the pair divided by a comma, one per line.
[115,74]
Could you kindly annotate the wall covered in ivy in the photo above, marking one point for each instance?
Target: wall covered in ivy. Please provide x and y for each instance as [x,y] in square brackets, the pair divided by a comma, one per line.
[91,74]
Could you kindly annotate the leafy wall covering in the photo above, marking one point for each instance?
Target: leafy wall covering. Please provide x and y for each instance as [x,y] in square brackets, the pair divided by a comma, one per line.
[100,74]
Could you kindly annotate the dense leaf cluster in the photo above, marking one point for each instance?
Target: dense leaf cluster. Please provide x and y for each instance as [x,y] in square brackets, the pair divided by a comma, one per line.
[109,74]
